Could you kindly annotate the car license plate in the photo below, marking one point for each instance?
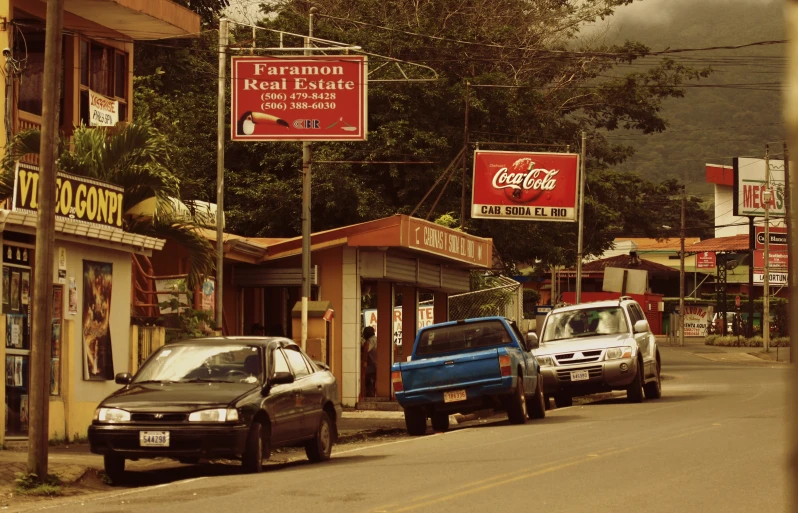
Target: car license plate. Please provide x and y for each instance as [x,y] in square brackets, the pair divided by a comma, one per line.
[579,375]
[154,438]
[454,395]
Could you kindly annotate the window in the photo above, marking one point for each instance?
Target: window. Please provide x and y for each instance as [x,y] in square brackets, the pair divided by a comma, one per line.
[310,364]
[103,70]
[280,365]
[31,83]
[297,363]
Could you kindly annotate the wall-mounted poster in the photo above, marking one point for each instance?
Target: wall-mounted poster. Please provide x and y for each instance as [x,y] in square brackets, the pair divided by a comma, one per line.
[58,302]
[25,288]
[73,297]
[23,412]
[97,284]
[10,371]
[17,371]
[15,291]
[6,285]
[55,376]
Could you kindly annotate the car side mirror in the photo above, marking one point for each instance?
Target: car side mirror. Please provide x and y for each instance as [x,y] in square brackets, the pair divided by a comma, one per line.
[281,378]
[123,378]
[532,341]
[641,326]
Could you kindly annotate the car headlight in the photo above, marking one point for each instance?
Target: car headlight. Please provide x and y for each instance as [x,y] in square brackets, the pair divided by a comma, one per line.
[614,353]
[111,415]
[545,360]
[215,415]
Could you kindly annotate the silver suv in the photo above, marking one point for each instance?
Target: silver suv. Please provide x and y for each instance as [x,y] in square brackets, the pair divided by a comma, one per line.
[597,347]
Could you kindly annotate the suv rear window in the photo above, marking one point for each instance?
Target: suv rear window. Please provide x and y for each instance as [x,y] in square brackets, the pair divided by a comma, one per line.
[462,336]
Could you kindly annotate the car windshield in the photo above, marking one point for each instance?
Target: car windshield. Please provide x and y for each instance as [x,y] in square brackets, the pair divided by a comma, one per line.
[202,362]
[584,322]
[462,336]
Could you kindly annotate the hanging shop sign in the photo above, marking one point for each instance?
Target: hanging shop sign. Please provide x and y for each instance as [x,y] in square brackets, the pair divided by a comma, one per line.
[777,236]
[311,98]
[102,111]
[77,198]
[705,260]
[525,186]
[750,184]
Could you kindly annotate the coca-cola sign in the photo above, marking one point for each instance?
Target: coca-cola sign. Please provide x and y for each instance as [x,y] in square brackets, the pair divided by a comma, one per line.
[530,186]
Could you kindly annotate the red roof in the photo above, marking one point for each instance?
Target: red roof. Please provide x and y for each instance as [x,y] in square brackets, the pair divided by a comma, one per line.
[626,262]
[721,244]
[720,175]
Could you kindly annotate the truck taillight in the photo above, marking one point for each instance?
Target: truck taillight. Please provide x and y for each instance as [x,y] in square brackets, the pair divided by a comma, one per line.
[396,380]
[505,365]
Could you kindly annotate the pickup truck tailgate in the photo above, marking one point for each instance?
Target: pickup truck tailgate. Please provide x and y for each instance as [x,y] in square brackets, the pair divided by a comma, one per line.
[454,371]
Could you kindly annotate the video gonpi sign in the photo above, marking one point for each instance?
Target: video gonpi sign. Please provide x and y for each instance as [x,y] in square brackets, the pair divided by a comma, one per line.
[312,98]
[525,186]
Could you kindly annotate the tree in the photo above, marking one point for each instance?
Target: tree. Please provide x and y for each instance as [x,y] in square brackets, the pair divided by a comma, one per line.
[532,81]
[136,158]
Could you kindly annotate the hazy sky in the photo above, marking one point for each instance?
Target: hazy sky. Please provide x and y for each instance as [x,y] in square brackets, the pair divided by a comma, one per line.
[659,11]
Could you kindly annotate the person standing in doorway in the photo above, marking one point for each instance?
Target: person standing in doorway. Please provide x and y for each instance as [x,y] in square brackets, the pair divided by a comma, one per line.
[369,360]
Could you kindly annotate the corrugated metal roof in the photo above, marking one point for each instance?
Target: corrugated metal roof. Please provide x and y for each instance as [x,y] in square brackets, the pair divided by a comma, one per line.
[627,262]
[721,244]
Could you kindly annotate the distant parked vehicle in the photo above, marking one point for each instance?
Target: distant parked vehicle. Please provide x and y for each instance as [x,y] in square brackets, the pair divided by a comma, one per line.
[235,397]
[597,347]
[465,366]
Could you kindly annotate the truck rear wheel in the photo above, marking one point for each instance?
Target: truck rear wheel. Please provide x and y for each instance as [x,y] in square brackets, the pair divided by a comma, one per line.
[536,404]
[516,409]
[416,421]
[440,422]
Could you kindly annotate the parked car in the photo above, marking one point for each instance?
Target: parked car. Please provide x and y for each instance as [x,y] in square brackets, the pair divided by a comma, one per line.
[597,347]
[468,365]
[218,398]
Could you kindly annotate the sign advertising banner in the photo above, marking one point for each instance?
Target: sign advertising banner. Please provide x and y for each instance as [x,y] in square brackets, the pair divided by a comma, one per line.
[777,235]
[525,186]
[705,260]
[425,318]
[311,98]
[777,260]
[776,279]
[750,184]
[695,321]
[447,242]
[77,198]
[102,111]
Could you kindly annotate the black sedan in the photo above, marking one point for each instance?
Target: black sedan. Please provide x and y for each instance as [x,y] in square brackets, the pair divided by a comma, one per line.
[219,397]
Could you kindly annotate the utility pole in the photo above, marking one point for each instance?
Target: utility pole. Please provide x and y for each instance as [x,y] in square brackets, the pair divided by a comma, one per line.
[681,268]
[787,210]
[766,196]
[579,243]
[39,411]
[790,115]
[306,160]
[465,145]
[223,41]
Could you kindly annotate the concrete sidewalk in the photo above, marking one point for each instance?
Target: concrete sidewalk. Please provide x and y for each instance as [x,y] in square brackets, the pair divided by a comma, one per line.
[71,462]
[729,354]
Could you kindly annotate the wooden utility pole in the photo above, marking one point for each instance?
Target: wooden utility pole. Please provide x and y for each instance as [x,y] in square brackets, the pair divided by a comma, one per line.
[790,115]
[42,300]
[681,267]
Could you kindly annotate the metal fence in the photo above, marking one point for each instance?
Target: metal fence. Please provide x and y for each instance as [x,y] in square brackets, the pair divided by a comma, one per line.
[504,297]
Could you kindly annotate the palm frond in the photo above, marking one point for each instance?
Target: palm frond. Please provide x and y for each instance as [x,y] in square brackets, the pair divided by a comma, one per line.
[200,251]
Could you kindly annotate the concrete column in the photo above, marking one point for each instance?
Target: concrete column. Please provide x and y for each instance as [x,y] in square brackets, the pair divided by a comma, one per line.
[440,305]
[409,318]
[384,337]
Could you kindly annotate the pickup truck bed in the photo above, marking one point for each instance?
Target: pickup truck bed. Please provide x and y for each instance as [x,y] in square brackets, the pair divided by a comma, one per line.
[464,366]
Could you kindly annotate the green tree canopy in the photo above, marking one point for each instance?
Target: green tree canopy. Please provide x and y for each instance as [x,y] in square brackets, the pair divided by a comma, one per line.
[533,79]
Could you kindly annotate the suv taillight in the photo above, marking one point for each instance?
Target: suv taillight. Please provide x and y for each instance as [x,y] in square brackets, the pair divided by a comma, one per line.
[396,381]
[505,365]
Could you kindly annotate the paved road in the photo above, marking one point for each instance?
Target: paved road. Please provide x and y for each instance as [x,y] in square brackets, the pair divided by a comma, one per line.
[716,441]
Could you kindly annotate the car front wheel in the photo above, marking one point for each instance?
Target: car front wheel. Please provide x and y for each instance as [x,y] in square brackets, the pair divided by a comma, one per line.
[257,448]
[654,389]
[114,467]
[320,448]
[634,392]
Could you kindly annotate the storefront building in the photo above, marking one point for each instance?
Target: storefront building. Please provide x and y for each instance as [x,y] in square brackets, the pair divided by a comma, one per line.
[373,266]
[92,268]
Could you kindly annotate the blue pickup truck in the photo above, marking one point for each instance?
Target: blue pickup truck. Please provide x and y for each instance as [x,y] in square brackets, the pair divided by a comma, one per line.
[465,366]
